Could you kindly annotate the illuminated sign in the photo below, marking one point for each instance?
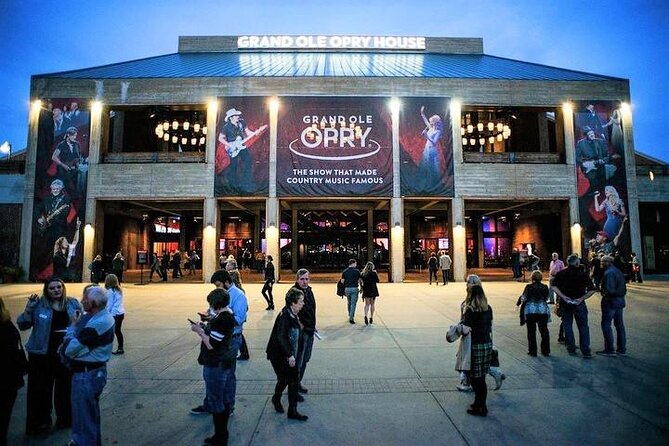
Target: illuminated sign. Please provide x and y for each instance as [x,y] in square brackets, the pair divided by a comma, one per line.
[332,42]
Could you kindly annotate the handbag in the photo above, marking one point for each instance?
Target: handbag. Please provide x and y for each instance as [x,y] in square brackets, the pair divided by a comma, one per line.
[340,289]
[494,358]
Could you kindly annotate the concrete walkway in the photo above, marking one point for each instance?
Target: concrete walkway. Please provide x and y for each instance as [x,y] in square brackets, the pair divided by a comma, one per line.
[391,383]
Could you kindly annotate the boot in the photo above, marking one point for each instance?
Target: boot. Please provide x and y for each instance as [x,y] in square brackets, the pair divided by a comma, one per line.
[276,401]
[220,437]
[293,414]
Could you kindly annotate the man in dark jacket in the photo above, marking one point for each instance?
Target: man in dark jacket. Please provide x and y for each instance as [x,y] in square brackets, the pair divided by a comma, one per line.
[573,287]
[308,319]
[613,301]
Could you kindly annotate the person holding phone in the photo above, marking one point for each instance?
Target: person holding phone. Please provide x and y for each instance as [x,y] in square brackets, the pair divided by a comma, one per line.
[49,381]
[217,356]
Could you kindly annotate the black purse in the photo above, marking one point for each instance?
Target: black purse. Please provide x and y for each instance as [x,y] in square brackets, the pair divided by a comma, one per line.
[340,289]
[494,358]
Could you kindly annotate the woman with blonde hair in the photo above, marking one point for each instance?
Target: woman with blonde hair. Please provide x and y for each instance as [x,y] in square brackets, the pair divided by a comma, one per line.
[49,381]
[115,308]
[535,312]
[369,289]
[478,316]
[614,207]
[11,373]
[63,252]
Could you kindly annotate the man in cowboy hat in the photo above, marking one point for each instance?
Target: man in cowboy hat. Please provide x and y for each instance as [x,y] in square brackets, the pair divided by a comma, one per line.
[234,134]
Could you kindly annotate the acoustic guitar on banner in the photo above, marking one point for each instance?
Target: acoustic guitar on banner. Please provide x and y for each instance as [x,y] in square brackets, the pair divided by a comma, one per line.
[233,148]
[45,222]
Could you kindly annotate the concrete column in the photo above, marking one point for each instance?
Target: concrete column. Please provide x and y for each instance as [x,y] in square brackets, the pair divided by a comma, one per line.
[456,114]
[29,190]
[272,233]
[632,194]
[396,240]
[397,230]
[210,238]
[459,242]
[569,139]
[273,119]
[210,146]
[91,231]
[575,228]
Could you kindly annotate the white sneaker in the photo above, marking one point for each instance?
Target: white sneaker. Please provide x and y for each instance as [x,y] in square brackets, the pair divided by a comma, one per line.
[464,387]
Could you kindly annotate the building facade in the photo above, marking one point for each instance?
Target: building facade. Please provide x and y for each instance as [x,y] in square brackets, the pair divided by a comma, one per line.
[315,149]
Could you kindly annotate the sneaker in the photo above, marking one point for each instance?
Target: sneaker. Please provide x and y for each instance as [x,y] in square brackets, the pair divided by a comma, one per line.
[199,410]
[622,353]
[464,387]
[572,352]
[610,354]
[587,355]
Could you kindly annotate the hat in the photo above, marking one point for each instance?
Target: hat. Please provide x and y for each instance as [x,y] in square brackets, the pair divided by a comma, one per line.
[232,112]
[57,183]
[603,234]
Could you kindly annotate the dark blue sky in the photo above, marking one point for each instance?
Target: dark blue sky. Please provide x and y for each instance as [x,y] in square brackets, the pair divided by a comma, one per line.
[628,39]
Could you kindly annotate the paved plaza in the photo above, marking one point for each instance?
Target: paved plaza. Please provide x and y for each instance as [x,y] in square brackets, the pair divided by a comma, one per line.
[392,383]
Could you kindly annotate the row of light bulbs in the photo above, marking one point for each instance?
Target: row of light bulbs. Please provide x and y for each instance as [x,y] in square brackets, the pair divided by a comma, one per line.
[503,131]
[162,132]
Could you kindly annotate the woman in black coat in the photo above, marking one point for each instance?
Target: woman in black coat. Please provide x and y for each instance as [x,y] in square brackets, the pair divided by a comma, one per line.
[282,353]
[12,371]
[369,290]
[478,316]
[535,312]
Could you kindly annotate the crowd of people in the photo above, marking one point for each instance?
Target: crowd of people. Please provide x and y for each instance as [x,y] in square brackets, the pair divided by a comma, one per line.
[72,340]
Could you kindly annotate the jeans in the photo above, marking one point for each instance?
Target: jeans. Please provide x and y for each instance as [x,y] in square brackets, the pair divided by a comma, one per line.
[304,352]
[352,297]
[532,321]
[444,274]
[433,273]
[613,313]
[580,313]
[220,393]
[86,390]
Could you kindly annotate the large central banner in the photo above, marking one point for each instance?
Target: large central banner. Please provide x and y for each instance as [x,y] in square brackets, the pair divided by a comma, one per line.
[334,146]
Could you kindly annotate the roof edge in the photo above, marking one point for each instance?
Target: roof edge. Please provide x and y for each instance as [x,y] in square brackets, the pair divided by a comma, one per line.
[228,44]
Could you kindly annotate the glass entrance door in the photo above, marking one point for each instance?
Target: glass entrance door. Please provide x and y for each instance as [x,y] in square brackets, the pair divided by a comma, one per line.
[328,239]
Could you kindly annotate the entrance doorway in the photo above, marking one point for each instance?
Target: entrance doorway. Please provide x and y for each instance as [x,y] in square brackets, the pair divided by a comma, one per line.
[497,232]
[322,237]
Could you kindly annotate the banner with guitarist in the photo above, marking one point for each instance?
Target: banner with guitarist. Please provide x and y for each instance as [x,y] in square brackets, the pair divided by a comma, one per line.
[601,178]
[60,189]
[242,147]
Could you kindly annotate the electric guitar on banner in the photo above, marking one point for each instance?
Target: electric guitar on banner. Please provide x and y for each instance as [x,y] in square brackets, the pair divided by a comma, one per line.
[234,147]
[45,222]
[590,165]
